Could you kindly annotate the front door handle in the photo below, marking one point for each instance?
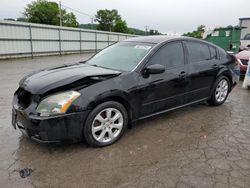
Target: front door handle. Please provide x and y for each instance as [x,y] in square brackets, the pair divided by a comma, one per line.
[182,74]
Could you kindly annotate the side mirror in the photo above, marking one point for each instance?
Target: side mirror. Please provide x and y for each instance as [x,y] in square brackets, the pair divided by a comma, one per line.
[154,69]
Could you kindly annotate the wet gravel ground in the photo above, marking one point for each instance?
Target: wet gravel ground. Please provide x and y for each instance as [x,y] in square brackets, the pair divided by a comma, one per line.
[198,146]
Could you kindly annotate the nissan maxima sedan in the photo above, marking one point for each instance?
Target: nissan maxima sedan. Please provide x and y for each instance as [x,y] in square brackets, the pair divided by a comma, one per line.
[99,99]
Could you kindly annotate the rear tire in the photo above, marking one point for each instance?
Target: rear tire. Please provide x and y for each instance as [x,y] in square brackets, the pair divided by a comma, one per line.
[105,124]
[220,91]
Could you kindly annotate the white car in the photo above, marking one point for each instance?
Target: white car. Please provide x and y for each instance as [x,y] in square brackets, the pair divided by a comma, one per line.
[245,42]
[245,33]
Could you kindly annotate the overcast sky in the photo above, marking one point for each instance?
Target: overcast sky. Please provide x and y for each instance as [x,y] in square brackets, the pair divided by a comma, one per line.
[167,16]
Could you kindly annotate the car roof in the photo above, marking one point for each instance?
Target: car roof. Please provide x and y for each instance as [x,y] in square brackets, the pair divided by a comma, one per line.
[154,39]
[157,39]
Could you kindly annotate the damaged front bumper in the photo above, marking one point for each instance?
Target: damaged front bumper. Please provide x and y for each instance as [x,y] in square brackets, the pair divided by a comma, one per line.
[54,129]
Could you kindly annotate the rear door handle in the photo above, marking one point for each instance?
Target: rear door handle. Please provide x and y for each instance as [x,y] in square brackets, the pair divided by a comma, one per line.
[182,74]
[215,66]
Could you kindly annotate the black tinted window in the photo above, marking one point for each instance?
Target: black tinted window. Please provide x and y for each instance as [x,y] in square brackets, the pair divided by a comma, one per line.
[170,55]
[213,52]
[198,52]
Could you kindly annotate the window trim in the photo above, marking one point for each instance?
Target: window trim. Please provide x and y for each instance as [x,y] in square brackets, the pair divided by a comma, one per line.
[160,47]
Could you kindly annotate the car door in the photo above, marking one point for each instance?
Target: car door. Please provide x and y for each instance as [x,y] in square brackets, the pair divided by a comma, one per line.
[159,92]
[203,66]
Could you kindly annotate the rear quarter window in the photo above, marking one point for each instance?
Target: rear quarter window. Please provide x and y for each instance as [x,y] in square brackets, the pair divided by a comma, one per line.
[213,52]
[223,54]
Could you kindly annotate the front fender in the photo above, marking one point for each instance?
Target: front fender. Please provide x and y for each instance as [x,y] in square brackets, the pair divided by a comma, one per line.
[121,89]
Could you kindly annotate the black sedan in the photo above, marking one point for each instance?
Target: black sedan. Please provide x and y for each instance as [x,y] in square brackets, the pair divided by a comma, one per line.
[131,80]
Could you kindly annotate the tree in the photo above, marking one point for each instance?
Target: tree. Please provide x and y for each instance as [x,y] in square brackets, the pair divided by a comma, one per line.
[154,32]
[9,19]
[21,19]
[121,26]
[69,19]
[44,12]
[110,20]
[197,33]
[88,26]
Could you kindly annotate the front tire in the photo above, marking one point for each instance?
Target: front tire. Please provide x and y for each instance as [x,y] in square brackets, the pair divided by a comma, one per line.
[220,91]
[105,124]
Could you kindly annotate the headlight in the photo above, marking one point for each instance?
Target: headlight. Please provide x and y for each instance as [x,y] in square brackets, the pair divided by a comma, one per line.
[57,104]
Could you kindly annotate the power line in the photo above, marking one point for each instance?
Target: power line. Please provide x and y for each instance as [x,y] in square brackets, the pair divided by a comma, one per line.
[80,12]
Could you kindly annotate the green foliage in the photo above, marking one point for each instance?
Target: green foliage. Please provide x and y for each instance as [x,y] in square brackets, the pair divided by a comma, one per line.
[9,19]
[131,30]
[110,20]
[121,26]
[153,32]
[44,12]
[69,19]
[197,33]
[21,19]
[88,26]
[107,19]
[137,31]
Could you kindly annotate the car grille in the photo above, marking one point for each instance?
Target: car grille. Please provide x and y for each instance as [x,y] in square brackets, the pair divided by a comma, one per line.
[24,97]
[244,61]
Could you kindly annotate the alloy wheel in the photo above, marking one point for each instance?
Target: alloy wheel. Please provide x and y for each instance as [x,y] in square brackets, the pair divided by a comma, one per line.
[221,90]
[107,125]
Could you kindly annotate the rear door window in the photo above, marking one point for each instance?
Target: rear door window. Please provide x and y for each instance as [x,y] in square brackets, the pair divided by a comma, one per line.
[198,52]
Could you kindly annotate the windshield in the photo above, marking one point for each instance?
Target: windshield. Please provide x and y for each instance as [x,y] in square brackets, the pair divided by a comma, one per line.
[122,56]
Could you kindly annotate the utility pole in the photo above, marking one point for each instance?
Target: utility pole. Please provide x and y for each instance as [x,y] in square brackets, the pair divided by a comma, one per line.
[60,13]
[92,22]
[146,28]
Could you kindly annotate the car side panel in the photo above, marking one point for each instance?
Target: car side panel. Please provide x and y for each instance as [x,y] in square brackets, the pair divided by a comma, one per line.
[202,75]
[162,91]
[124,87]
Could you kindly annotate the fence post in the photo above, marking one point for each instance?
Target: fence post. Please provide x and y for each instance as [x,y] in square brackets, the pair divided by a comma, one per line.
[95,42]
[80,32]
[31,42]
[118,37]
[60,45]
[108,39]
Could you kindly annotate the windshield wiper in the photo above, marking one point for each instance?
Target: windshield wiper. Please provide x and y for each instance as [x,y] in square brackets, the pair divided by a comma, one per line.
[103,67]
[82,62]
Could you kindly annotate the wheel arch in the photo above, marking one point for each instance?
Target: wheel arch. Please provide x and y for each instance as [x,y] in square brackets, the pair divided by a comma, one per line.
[227,74]
[119,97]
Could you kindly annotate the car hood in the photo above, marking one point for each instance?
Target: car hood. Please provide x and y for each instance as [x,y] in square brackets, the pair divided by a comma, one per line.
[65,77]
